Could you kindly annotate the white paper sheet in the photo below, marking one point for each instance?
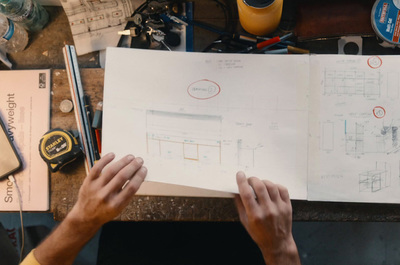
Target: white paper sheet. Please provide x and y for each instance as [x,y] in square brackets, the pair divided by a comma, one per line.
[354,121]
[197,118]
[25,108]
[95,24]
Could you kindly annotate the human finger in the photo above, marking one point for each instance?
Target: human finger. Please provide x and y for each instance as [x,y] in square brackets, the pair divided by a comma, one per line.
[246,192]
[129,190]
[109,172]
[124,175]
[260,190]
[273,190]
[98,167]
[241,210]
[284,193]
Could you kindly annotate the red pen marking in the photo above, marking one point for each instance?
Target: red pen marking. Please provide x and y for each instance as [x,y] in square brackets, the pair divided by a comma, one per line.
[379,112]
[203,89]
[374,62]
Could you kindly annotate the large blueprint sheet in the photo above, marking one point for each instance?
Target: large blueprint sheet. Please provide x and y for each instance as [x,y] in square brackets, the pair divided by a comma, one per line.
[354,122]
[198,118]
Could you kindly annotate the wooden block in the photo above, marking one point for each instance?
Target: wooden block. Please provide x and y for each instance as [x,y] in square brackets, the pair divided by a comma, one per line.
[324,19]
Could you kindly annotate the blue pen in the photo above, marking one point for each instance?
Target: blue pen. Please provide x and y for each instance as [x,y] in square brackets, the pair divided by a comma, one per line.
[277,51]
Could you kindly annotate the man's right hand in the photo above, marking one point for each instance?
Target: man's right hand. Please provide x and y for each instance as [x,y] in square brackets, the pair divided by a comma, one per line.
[265,211]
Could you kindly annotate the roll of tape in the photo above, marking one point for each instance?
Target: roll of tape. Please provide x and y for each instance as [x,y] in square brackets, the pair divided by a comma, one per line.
[385,20]
[260,17]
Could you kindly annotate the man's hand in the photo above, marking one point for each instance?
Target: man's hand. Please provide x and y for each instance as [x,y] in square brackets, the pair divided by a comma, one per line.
[265,211]
[104,193]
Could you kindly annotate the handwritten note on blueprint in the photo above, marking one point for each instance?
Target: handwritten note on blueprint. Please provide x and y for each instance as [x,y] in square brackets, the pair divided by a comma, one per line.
[354,122]
[198,118]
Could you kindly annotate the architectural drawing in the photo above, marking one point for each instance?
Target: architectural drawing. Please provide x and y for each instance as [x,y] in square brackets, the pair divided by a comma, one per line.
[355,140]
[362,138]
[247,154]
[375,179]
[184,136]
[90,16]
[357,109]
[352,82]
[94,24]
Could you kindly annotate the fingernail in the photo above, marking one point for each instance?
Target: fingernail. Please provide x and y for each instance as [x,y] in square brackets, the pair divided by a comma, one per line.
[240,174]
[139,160]
[111,154]
[130,158]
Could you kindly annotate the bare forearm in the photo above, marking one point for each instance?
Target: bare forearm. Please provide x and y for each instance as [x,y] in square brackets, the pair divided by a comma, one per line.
[105,192]
[286,256]
[66,241]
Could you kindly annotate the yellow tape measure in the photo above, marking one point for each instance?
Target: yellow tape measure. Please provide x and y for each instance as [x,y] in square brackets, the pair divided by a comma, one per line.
[58,148]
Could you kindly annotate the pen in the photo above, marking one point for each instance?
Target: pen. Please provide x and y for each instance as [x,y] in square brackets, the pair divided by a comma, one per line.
[92,133]
[98,138]
[97,123]
[277,51]
[292,49]
[261,45]
[269,45]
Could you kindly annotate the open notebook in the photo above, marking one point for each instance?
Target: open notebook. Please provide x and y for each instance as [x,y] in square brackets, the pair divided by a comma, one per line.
[324,126]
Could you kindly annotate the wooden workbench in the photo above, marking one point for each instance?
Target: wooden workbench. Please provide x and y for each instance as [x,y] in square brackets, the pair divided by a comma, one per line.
[45,51]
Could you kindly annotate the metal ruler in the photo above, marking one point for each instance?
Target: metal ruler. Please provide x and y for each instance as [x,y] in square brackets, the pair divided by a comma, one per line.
[78,98]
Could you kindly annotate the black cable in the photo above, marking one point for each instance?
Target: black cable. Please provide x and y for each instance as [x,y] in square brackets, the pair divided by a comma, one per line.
[224,9]
[230,27]
[231,9]
[130,23]
[227,8]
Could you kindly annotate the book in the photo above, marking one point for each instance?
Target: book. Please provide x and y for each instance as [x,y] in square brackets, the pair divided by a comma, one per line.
[324,126]
[25,109]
